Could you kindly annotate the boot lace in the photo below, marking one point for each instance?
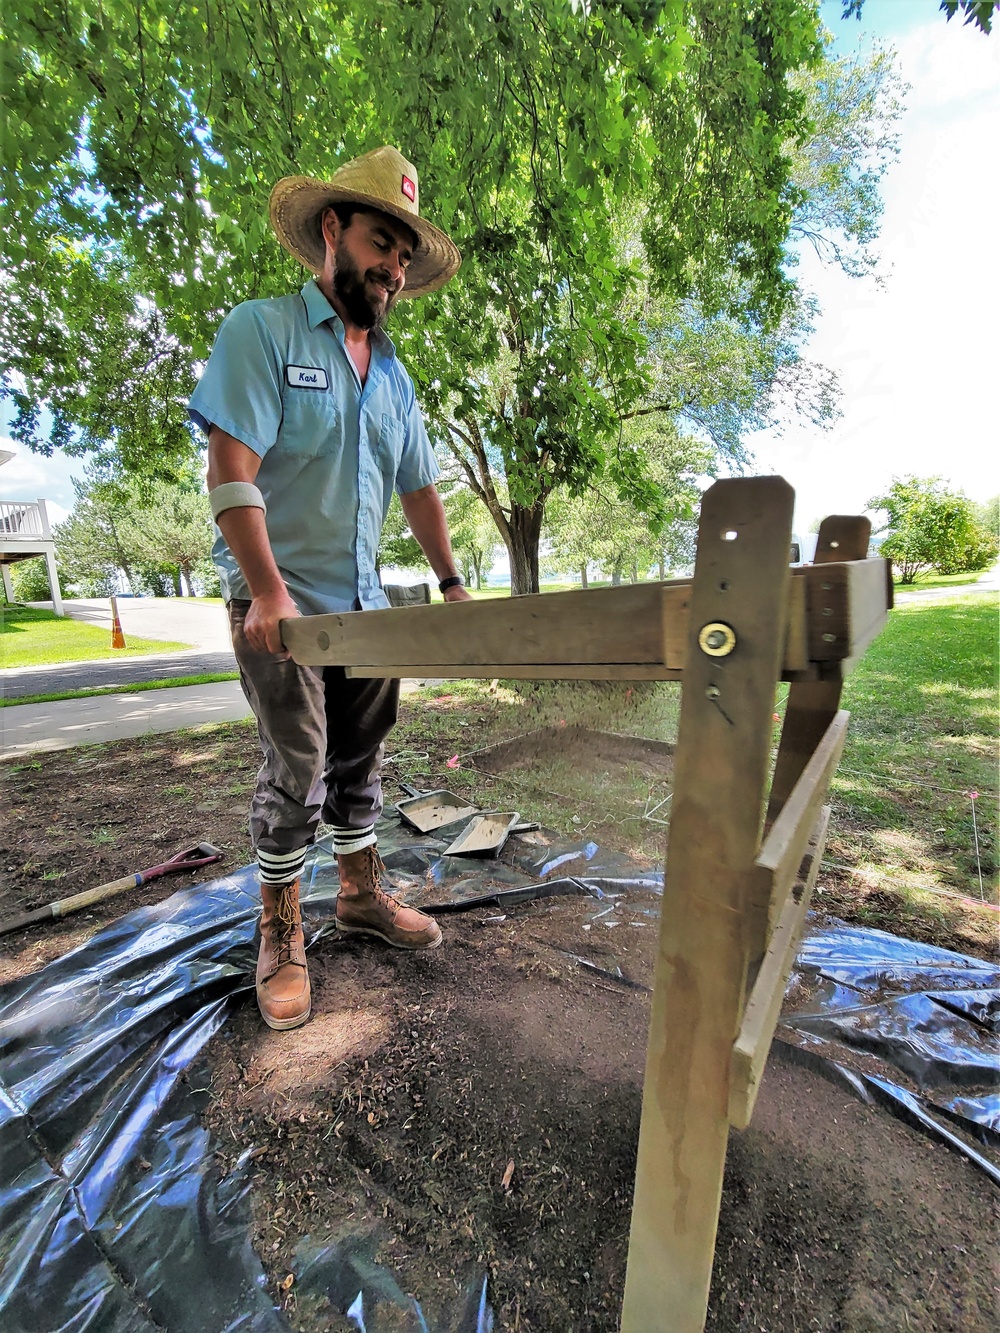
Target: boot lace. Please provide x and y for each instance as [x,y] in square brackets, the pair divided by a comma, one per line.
[285,921]
[376,869]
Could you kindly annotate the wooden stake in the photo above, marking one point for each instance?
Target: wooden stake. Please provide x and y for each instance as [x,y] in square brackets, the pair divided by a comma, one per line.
[740,582]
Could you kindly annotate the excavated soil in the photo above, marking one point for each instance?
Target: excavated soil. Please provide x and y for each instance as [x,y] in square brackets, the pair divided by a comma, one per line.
[475,1110]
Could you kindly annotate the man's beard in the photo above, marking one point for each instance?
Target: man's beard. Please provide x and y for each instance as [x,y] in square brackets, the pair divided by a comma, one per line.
[349,285]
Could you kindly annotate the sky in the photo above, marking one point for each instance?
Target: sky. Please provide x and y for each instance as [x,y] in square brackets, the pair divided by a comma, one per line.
[916,358]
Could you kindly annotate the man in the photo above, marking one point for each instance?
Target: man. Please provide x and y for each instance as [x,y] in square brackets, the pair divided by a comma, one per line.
[311,423]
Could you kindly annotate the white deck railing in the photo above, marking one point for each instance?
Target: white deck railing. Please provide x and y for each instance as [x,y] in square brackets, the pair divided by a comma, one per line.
[23,520]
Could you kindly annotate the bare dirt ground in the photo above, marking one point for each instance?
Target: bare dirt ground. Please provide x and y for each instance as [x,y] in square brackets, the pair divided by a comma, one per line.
[395,1113]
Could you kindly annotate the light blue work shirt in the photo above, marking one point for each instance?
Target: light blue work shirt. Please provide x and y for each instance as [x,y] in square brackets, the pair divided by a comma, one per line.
[281,381]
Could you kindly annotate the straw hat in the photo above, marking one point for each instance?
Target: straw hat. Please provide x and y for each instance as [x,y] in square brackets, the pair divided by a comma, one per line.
[382,180]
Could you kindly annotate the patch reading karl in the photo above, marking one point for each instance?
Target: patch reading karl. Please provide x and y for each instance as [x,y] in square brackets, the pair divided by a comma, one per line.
[307,377]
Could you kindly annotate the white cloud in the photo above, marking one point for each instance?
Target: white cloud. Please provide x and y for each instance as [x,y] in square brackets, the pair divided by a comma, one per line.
[29,476]
[950,62]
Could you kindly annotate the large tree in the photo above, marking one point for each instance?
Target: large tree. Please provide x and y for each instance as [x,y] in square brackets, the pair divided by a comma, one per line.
[157,534]
[141,141]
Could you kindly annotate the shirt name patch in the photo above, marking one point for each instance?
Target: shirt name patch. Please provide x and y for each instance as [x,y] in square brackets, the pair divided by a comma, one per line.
[307,377]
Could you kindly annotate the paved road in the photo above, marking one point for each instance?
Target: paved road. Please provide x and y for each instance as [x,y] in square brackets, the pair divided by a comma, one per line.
[24,681]
[112,717]
[918,594]
[203,625]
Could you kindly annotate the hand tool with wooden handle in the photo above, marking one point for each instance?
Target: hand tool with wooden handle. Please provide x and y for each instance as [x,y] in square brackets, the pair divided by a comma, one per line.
[203,854]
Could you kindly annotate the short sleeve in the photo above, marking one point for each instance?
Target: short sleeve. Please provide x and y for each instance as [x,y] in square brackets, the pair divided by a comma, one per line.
[418,466]
[240,390]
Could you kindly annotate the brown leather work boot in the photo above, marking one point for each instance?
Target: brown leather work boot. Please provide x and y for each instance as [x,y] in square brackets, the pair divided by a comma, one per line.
[282,976]
[364,908]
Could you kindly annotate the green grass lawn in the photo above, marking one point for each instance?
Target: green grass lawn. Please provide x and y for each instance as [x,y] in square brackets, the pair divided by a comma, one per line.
[923,736]
[32,637]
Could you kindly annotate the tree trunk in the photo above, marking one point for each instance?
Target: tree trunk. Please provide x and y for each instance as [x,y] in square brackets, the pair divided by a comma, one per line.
[635,572]
[616,576]
[663,568]
[583,576]
[176,574]
[186,578]
[525,526]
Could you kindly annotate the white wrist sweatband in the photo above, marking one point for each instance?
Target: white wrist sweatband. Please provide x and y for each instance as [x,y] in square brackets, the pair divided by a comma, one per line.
[235,495]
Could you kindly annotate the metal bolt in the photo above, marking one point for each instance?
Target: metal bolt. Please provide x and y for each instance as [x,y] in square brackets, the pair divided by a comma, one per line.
[322,641]
[828,610]
[829,638]
[712,692]
[717,639]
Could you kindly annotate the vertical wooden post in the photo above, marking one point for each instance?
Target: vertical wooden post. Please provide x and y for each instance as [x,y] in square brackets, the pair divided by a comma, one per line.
[721,764]
[812,705]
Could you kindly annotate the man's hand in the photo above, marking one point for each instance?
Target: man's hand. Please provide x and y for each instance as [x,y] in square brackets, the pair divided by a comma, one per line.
[263,623]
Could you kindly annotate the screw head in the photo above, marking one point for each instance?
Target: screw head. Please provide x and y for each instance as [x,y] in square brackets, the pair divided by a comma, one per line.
[829,638]
[712,692]
[322,640]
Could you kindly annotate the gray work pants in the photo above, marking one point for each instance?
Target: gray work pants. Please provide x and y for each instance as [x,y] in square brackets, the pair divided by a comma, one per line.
[322,739]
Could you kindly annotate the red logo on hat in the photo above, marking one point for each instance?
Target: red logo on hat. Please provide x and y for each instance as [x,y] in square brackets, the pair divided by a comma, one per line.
[409,188]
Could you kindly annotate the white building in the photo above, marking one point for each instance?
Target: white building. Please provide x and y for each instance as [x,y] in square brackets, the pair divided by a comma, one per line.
[24,533]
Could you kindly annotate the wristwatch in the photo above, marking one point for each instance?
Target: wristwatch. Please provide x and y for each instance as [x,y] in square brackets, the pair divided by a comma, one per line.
[456,581]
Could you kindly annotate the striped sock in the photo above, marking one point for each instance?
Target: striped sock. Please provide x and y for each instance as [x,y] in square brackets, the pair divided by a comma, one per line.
[280,867]
[347,840]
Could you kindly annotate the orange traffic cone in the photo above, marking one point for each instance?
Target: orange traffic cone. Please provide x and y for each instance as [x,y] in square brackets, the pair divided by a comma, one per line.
[117,637]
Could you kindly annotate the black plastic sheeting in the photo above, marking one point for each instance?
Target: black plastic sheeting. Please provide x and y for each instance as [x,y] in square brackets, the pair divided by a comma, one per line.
[930,1014]
[113,1216]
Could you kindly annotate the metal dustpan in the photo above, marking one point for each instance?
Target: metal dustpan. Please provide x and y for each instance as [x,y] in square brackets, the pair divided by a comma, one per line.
[431,810]
[484,835]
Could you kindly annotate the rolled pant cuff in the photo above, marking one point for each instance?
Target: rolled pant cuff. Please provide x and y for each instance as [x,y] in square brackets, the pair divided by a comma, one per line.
[348,840]
[280,867]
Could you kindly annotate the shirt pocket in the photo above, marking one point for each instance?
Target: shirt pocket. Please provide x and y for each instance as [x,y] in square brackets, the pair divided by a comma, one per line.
[389,449]
[310,422]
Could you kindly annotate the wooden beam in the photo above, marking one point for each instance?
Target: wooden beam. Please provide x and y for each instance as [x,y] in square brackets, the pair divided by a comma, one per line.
[751,1048]
[634,632]
[603,626]
[720,772]
[847,605]
[785,845]
[516,671]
